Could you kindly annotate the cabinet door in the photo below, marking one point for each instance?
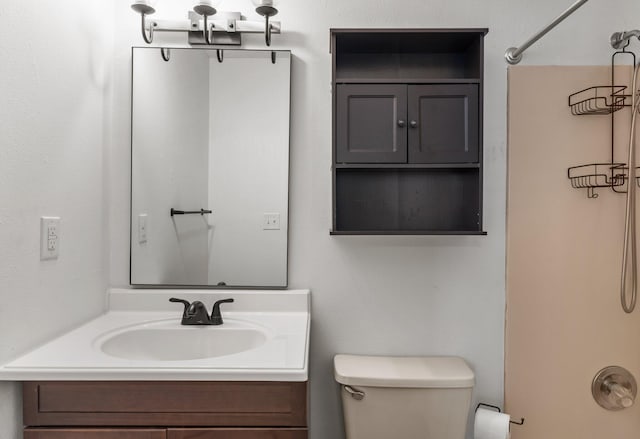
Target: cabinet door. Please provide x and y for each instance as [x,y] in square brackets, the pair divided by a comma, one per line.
[371,123]
[443,123]
[164,403]
[238,433]
[96,433]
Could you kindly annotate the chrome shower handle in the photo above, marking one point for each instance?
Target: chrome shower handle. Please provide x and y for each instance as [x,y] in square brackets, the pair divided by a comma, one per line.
[621,394]
[614,388]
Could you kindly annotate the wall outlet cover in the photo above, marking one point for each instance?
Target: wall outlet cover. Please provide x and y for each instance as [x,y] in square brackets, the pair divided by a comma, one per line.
[271,221]
[142,228]
[49,237]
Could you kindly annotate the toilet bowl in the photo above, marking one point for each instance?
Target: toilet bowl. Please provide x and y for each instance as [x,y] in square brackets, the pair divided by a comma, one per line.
[404,397]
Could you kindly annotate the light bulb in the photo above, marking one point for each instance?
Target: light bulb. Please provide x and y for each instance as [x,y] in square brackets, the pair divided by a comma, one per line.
[258,3]
[205,7]
[266,8]
[144,6]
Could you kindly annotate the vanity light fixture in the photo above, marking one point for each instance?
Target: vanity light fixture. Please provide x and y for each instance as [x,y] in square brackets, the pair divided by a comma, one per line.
[206,9]
[144,8]
[266,8]
[226,29]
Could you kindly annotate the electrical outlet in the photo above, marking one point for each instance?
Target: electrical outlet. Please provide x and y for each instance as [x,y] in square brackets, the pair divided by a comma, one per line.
[271,221]
[49,237]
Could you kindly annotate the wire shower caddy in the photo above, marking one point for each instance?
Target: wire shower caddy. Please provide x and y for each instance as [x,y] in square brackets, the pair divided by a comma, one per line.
[602,100]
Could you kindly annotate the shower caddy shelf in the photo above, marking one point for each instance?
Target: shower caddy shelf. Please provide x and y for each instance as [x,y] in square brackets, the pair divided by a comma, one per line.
[602,100]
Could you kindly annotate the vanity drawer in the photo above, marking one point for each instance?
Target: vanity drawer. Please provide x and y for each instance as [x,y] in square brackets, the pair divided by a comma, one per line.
[237,433]
[32,433]
[165,403]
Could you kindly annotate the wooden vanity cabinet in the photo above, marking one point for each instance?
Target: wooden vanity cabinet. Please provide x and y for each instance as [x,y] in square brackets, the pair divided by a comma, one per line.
[164,410]
[227,433]
[84,433]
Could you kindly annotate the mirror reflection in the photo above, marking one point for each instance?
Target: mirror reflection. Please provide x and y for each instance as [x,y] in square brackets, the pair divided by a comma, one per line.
[210,166]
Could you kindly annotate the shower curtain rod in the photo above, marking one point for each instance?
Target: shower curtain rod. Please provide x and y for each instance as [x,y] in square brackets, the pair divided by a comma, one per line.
[513,55]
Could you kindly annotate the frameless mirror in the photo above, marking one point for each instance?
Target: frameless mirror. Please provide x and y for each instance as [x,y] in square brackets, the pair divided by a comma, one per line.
[210,167]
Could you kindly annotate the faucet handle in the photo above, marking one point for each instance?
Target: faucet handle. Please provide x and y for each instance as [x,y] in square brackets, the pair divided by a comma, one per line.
[184,302]
[195,313]
[216,316]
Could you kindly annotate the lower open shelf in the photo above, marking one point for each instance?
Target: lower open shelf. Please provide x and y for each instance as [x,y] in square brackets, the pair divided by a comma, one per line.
[408,202]
[404,232]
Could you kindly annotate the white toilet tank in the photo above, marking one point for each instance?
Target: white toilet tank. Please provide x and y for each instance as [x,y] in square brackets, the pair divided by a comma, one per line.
[404,397]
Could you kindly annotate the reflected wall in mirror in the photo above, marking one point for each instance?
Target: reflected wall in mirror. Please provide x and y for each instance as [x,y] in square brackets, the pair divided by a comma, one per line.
[213,136]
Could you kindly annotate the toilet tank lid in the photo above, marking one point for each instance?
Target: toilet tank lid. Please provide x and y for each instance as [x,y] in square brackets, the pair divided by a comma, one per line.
[405,372]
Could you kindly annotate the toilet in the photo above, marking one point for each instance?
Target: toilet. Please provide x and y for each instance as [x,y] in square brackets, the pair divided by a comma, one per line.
[404,397]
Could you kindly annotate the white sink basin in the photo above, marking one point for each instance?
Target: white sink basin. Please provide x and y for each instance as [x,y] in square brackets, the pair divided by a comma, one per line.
[265,337]
[168,341]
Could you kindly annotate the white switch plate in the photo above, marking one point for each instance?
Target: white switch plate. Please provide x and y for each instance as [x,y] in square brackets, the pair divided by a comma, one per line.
[142,228]
[271,221]
[49,237]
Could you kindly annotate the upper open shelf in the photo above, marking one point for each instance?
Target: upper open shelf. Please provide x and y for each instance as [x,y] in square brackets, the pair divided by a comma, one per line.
[420,55]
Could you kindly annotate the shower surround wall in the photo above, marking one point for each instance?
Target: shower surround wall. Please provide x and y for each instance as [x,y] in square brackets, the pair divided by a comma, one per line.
[564,318]
[54,128]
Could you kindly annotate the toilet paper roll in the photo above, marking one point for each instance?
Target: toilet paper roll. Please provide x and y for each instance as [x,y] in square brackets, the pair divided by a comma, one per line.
[490,424]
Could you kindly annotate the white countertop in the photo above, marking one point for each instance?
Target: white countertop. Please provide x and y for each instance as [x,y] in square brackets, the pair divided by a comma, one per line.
[283,316]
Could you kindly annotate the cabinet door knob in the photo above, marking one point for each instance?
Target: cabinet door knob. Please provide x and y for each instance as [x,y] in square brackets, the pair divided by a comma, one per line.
[413,124]
[401,123]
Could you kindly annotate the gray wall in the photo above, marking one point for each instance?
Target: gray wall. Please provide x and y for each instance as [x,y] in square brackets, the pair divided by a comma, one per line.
[54,128]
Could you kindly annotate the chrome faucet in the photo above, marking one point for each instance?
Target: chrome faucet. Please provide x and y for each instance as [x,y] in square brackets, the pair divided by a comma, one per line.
[196,313]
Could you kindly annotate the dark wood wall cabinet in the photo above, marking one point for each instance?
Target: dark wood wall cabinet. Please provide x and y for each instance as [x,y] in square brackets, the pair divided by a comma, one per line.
[165,410]
[407,131]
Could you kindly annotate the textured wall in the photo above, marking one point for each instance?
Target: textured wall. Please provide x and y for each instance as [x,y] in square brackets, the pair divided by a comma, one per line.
[54,83]
[564,319]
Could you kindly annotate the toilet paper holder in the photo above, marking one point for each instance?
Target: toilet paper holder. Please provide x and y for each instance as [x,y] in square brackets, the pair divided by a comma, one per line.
[499,410]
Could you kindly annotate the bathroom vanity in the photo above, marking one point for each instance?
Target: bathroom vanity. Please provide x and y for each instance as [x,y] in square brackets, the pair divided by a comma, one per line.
[165,409]
[137,373]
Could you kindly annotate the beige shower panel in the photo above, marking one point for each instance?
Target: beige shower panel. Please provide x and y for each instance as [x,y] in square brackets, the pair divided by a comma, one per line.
[564,321]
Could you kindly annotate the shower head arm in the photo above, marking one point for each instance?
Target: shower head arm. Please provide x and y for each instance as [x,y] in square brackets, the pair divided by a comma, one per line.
[619,40]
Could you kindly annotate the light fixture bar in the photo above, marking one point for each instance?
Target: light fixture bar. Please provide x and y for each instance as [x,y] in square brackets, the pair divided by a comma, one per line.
[220,25]
[206,25]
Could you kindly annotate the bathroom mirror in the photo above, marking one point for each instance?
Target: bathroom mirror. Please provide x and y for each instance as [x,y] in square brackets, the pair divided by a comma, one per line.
[210,167]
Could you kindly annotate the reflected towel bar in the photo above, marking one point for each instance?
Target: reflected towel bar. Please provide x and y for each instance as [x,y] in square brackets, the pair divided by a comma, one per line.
[189,212]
